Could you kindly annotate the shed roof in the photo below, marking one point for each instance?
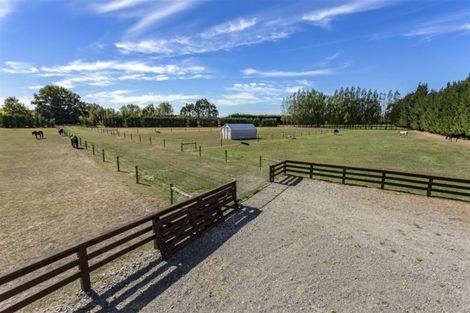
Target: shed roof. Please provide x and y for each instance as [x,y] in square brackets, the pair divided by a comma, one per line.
[240,126]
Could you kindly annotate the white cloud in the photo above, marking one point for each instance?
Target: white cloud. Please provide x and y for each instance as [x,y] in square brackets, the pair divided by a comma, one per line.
[148,12]
[199,44]
[116,5]
[104,73]
[229,27]
[5,7]
[324,16]
[429,32]
[258,92]
[35,87]
[275,73]
[120,97]
[19,68]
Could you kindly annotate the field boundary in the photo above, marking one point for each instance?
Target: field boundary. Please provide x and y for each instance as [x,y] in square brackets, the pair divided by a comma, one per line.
[169,229]
[442,186]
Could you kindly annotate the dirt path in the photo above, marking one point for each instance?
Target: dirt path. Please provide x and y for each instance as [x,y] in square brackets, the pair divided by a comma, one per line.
[54,196]
[310,247]
[439,138]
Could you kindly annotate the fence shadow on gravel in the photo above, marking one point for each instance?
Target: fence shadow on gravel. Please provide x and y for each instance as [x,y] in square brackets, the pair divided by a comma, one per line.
[291,180]
[160,275]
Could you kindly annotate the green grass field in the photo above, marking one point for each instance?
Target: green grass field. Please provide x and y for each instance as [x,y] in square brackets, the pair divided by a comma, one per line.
[159,166]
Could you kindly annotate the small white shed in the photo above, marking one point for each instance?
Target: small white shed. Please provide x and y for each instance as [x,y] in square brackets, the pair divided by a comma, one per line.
[238,131]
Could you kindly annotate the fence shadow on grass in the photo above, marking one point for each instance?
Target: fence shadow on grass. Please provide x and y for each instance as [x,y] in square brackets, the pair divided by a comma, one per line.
[146,284]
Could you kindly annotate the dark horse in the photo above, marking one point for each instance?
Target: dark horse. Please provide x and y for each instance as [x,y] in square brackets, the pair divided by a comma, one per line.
[61,132]
[38,134]
[336,131]
[457,136]
[74,141]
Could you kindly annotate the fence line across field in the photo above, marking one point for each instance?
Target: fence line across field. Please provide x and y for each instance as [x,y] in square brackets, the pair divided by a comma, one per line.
[448,186]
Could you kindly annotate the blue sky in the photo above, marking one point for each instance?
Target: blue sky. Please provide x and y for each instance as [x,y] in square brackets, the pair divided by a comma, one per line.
[243,55]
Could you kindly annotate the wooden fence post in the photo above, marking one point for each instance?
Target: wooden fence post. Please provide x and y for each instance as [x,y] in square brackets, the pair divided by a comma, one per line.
[311,171]
[93,148]
[140,138]
[136,174]
[284,168]
[181,147]
[171,193]
[221,142]
[164,144]
[271,173]
[155,241]
[200,152]
[429,186]
[124,134]
[225,156]
[344,175]
[86,145]
[84,270]
[104,159]
[131,136]
[117,163]
[80,141]
[382,183]
[260,162]
[150,139]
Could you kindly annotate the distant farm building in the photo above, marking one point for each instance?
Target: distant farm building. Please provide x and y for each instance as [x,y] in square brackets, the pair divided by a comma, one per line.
[238,131]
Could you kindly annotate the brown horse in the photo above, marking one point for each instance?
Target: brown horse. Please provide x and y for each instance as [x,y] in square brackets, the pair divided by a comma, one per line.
[38,134]
[457,136]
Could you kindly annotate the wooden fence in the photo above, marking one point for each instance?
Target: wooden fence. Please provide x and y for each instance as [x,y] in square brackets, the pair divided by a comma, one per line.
[454,188]
[170,230]
[355,126]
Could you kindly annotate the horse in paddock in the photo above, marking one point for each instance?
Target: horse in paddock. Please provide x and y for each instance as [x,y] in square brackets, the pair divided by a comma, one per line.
[61,132]
[38,134]
[457,136]
[403,133]
[336,131]
[74,141]
[157,131]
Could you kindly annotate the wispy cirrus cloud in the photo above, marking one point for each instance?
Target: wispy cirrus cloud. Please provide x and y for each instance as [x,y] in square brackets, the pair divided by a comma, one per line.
[105,73]
[123,96]
[259,92]
[324,16]
[147,12]
[19,68]
[276,73]
[225,36]
[244,31]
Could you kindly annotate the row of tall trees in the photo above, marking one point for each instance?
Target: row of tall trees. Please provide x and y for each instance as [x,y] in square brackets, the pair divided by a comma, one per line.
[344,106]
[58,105]
[443,111]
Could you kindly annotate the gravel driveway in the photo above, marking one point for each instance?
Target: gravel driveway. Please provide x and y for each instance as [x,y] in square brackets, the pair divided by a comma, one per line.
[308,247]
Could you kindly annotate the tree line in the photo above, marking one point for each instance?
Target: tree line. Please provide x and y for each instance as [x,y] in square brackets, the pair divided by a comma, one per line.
[437,111]
[345,106]
[55,105]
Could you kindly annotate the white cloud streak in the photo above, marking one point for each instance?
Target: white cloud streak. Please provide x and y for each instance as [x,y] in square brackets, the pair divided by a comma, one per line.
[105,73]
[323,17]
[120,97]
[429,32]
[19,68]
[116,5]
[6,7]
[275,73]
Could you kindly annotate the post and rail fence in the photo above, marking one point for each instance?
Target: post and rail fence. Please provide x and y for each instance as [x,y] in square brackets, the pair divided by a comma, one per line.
[380,178]
[169,229]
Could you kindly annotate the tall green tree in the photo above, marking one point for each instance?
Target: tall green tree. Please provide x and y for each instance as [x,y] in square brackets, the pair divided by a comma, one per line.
[59,104]
[12,105]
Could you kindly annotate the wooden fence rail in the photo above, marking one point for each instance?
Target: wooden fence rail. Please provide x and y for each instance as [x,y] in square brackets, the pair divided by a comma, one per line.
[355,126]
[170,230]
[430,184]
